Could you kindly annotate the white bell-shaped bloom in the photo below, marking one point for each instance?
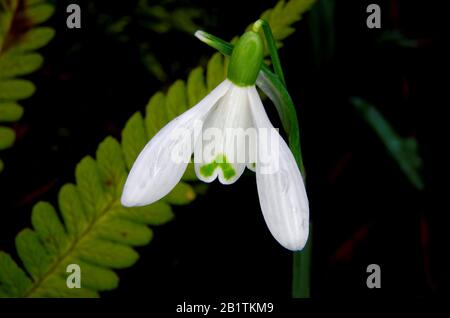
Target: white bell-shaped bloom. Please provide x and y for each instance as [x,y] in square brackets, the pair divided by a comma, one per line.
[225,112]
[227,131]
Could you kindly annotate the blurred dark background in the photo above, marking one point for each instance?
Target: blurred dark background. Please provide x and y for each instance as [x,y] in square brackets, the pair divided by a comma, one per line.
[363,208]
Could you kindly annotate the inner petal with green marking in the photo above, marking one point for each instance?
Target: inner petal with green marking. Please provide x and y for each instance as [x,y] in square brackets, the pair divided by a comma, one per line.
[221,152]
[220,162]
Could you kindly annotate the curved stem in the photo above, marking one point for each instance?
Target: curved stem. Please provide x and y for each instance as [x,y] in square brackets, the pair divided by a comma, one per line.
[273,51]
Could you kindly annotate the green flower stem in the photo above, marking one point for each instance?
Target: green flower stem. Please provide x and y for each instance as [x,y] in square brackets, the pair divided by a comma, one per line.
[271,44]
[301,270]
[273,85]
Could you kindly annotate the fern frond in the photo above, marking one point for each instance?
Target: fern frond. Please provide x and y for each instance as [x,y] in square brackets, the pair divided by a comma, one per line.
[92,228]
[20,37]
[404,150]
[284,15]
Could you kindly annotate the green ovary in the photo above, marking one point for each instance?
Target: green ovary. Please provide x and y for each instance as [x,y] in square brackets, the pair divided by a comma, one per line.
[219,162]
[246,59]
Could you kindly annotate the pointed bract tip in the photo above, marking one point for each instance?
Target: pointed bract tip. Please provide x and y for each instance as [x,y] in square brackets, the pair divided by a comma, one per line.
[201,35]
[257,26]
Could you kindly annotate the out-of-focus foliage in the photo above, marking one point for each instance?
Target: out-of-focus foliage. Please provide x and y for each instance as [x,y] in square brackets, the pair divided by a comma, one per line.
[95,231]
[322,28]
[403,150]
[146,20]
[397,38]
[20,37]
[283,16]
[154,17]
[160,20]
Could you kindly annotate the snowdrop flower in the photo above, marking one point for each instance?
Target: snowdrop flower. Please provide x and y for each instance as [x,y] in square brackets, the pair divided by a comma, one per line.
[232,106]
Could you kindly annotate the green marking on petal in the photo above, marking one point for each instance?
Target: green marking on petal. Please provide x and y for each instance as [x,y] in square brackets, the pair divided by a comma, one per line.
[208,169]
[228,171]
[219,162]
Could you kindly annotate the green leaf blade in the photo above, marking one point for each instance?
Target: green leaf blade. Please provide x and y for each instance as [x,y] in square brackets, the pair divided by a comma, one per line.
[176,102]
[7,137]
[32,253]
[124,232]
[134,138]
[15,89]
[196,86]
[157,213]
[49,228]
[72,210]
[106,253]
[90,187]
[13,280]
[34,39]
[97,278]
[182,194]
[215,73]
[13,65]
[10,112]
[111,166]
[155,114]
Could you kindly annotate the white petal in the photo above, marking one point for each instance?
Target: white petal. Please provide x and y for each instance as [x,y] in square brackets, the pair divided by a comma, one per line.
[251,166]
[281,190]
[156,171]
[222,151]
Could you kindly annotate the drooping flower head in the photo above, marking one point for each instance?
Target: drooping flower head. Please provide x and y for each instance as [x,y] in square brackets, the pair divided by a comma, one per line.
[226,132]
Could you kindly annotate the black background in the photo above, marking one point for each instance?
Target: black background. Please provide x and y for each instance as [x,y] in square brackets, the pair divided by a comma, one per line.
[363,208]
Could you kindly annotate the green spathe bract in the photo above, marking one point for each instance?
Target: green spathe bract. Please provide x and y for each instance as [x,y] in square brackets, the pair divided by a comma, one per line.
[246,59]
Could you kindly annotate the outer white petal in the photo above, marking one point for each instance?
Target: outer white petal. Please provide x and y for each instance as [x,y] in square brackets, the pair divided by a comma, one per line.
[224,134]
[281,190]
[155,172]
